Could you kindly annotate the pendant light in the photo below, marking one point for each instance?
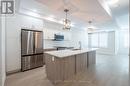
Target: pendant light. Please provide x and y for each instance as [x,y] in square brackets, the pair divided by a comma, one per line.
[66,21]
[91,27]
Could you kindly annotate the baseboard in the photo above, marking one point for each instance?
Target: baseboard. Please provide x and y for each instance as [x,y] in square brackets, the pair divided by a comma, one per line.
[13,72]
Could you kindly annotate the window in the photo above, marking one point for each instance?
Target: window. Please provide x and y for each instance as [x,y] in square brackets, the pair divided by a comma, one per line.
[99,39]
[103,40]
[94,40]
[126,39]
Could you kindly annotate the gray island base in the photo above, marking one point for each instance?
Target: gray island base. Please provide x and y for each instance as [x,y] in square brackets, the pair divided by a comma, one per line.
[64,64]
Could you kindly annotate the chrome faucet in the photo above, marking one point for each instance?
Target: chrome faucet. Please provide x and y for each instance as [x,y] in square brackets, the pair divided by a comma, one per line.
[80,45]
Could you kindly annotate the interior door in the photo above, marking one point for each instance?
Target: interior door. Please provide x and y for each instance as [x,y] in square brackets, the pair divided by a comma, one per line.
[38,36]
[27,42]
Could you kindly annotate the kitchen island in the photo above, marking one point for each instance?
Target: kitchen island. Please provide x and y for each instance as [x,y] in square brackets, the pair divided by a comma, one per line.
[64,64]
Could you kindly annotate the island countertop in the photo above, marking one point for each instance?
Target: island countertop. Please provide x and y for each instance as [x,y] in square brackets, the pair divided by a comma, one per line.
[66,53]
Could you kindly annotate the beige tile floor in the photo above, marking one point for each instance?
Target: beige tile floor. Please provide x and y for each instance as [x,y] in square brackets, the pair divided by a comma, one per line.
[108,71]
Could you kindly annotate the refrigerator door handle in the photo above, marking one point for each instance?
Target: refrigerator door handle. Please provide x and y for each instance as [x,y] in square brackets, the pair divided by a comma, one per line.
[28,42]
[34,49]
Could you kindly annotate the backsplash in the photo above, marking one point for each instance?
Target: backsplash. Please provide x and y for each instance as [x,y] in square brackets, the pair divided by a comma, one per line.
[51,43]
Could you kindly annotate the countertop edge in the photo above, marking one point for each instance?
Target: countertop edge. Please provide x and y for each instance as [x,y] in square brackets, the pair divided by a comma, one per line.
[75,52]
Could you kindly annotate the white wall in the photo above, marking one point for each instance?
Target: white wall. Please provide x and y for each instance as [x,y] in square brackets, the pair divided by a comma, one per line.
[2,51]
[72,37]
[112,44]
[14,24]
[115,44]
[110,41]
[122,49]
[13,39]
[51,28]
[79,35]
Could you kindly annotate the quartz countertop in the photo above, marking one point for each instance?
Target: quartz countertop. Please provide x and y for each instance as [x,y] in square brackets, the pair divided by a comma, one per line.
[66,53]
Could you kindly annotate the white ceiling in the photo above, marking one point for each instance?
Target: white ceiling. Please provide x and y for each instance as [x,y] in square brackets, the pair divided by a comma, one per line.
[120,8]
[81,11]
[120,12]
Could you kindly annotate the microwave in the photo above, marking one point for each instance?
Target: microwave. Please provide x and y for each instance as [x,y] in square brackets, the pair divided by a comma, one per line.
[58,37]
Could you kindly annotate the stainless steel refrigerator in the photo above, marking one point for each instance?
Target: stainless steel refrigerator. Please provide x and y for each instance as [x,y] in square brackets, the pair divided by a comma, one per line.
[31,49]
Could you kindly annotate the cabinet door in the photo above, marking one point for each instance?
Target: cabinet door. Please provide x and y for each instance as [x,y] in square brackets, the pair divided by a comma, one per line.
[68,67]
[59,69]
[91,58]
[54,68]
[81,62]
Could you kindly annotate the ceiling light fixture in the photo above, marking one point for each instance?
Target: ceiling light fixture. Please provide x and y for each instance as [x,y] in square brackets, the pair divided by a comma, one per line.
[66,22]
[91,27]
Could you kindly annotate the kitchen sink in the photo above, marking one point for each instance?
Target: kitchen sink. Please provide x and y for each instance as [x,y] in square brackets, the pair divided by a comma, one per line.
[76,49]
